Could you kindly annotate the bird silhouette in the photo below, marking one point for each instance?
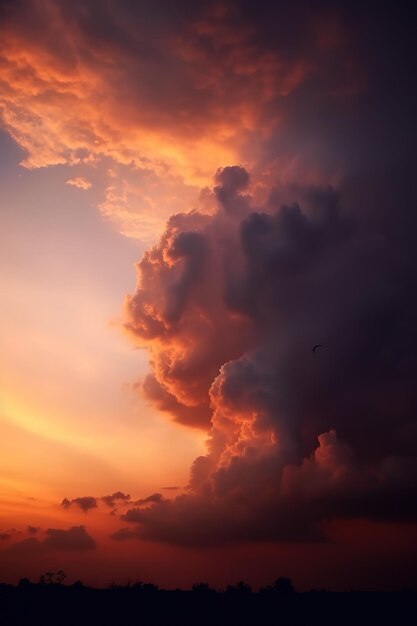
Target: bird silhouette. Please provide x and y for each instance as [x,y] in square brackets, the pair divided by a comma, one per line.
[318,345]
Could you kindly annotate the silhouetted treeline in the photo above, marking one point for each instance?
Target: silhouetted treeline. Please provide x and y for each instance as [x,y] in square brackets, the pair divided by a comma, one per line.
[51,602]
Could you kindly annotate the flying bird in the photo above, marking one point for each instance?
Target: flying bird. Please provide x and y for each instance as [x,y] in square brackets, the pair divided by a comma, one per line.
[318,345]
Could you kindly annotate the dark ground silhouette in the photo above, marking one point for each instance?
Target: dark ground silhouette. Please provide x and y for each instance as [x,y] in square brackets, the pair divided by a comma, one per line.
[52,602]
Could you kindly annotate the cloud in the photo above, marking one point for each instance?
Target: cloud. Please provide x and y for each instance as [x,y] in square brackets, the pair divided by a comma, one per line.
[32,530]
[83,93]
[230,305]
[91,106]
[154,497]
[138,201]
[4,536]
[111,500]
[178,278]
[318,247]
[28,546]
[84,502]
[124,534]
[74,539]
[80,182]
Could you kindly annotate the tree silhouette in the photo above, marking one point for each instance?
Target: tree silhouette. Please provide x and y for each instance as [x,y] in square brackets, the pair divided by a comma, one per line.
[202,588]
[60,576]
[51,602]
[150,588]
[283,585]
[241,587]
[137,586]
[78,584]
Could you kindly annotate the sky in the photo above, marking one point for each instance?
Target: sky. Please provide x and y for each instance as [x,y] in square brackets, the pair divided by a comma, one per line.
[193,195]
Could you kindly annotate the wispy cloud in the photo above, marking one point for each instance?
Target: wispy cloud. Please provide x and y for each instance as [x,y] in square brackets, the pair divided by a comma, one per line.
[80,182]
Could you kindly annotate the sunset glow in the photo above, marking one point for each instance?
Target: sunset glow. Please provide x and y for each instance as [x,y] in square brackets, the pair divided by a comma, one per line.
[193,196]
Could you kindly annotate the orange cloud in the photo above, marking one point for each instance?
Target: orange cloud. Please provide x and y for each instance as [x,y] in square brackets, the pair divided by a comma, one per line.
[61,109]
[71,94]
[80,182]
[178,311]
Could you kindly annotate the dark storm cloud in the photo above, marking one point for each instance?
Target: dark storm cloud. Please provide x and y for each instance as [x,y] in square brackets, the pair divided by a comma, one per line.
[297,438]
[230,182]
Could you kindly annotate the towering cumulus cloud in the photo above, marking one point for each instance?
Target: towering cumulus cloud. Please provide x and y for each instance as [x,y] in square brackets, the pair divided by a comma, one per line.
[231,306]
[180,310]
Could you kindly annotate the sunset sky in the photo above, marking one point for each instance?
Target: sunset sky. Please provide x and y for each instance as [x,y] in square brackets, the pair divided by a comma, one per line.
[192,196]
